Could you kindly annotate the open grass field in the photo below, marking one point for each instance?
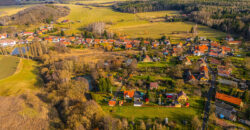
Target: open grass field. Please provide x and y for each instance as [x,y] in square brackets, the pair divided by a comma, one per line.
[24,80]
[133,25]
[8,66]
[175,30]
[10,10]
[174,114]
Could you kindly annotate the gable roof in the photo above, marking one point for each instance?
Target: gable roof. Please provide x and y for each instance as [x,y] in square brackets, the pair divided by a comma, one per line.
[227,98]
[129,93]
[153,85]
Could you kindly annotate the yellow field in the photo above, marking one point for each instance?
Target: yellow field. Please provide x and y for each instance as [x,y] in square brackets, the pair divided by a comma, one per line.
[10,10]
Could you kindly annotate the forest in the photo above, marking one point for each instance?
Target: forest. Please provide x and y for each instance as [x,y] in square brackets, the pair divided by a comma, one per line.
[229,16]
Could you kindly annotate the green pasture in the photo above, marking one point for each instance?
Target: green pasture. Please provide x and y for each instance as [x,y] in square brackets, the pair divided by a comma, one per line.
[8,66]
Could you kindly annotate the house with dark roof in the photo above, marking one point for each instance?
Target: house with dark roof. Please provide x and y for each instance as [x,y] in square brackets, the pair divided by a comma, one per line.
[225,111]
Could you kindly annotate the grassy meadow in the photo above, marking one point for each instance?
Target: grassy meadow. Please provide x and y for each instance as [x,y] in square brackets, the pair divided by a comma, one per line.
[173,114]
[8,66]
[24,80]
[174,29]
[132,25]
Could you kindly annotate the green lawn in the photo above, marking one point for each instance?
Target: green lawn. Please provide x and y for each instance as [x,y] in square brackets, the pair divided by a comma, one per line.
[174,114]
[8,65]
[25,79]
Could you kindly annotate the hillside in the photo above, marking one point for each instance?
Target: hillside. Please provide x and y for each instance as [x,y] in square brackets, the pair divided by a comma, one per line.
[35,14]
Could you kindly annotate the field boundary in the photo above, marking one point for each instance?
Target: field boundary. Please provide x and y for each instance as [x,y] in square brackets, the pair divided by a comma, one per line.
[19,66]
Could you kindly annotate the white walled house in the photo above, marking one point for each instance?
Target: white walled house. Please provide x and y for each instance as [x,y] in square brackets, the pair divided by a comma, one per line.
[7,42]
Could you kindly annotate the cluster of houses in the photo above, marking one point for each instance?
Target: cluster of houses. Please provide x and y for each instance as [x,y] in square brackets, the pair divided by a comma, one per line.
[202,77]
[173,99]
[225,106]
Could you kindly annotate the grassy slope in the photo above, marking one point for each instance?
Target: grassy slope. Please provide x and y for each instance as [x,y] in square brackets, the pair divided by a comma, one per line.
[24,80]
[8,65]
[10,10]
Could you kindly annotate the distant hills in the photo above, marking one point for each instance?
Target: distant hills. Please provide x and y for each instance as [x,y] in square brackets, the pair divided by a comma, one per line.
[15,2]
[35,14]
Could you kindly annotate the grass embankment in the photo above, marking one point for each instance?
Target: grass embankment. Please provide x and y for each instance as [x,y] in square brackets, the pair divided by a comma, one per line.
[25,79]
[8,66]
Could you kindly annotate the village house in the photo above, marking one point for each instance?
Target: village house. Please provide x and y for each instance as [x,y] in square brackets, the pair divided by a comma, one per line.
[3,36]
[229,38]
[112,103]
[190,78]
[229,99]
[214,45]
[234,42]
[7,42]
[228,82]
[215,61]
[182,97]
[27,33]
[129,94]
[187,61]
[153,85]
[224,71]
[225,111]
[213,54]
[29,39]
[204,75]
[89,40]
[147,59]
[198,53]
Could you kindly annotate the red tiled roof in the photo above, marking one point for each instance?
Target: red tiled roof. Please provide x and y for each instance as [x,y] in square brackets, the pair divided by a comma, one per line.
[234,42]
[112,103]
[215,44]
[227,49]
[129,93]
[227,98]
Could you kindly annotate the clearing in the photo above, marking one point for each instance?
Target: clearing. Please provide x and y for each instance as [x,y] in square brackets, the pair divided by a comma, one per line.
[8,66]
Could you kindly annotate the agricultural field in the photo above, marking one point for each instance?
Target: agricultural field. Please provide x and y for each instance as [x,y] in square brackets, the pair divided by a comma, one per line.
[25,79]
[8,66]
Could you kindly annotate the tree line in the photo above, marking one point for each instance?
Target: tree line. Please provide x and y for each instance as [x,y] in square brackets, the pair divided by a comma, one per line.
[228,16]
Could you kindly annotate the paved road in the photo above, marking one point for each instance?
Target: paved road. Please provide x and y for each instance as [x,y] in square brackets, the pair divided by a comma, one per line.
[209,95]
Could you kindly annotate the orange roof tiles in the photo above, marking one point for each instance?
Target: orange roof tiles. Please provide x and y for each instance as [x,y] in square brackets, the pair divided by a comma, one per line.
[230,99]
[112,103]
[129,93]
